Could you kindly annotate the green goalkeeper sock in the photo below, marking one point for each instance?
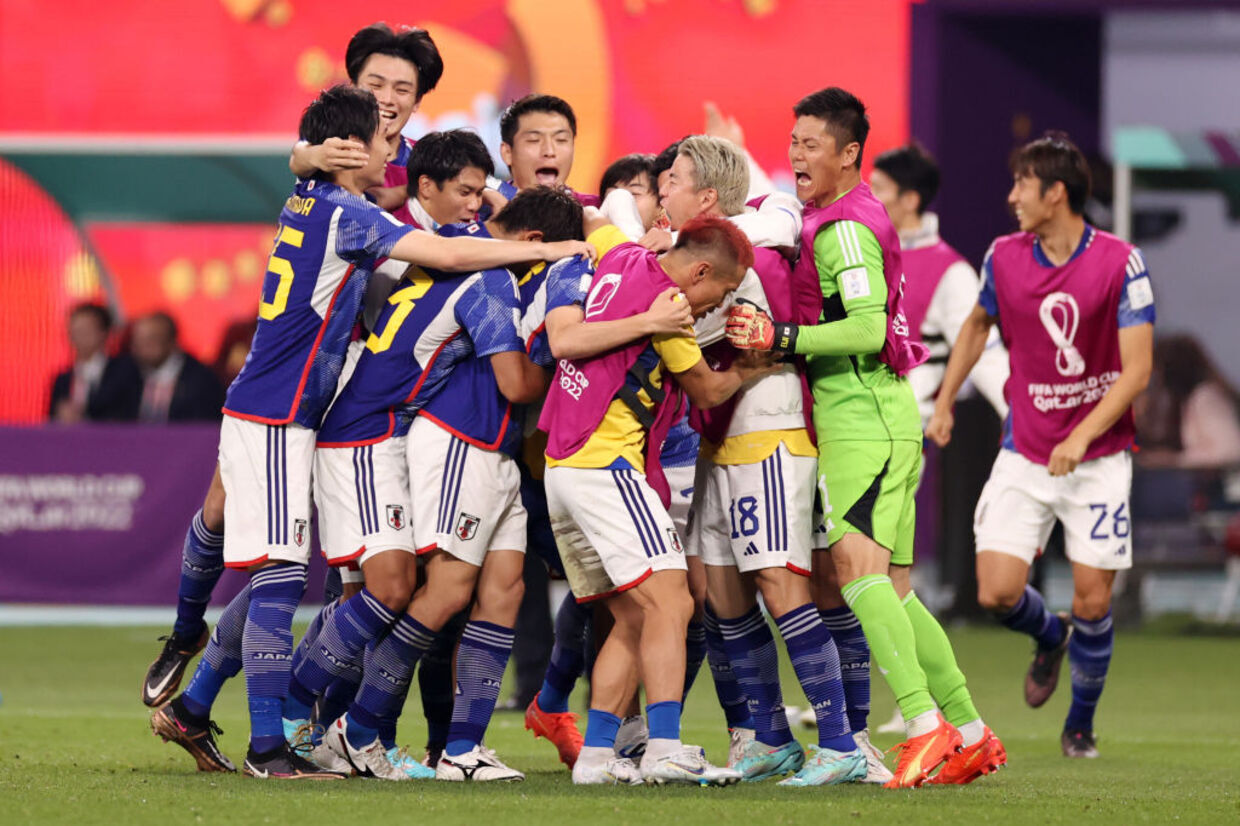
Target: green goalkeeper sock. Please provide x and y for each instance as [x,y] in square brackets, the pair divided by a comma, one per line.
[934,652]
[892,642]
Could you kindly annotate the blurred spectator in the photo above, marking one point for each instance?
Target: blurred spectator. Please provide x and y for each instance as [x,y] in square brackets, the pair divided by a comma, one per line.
[97,387]
[1190,416]
[176,387]
[234,348]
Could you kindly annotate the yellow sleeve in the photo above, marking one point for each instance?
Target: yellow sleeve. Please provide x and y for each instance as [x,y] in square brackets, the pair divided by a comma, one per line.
[606,238]
[678,352]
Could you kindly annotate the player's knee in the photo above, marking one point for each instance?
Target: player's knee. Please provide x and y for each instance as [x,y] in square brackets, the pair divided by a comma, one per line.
[1091,606]
[213,512]
[997,600]
[392,593]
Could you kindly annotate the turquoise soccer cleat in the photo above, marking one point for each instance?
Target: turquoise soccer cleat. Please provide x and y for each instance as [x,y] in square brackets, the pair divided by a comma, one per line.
[824,767]
[760,761]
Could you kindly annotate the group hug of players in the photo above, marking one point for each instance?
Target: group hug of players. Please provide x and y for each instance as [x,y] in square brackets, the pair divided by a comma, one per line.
[697,392]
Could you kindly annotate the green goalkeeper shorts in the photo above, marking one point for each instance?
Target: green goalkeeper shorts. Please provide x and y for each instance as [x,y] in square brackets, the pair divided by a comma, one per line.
[871,488]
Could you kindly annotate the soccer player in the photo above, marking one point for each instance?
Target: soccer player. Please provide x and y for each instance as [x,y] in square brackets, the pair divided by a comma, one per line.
[869,434]
[450,352]
[1076,310]
[538,135]
[328,241]
[606,418]
[629,183]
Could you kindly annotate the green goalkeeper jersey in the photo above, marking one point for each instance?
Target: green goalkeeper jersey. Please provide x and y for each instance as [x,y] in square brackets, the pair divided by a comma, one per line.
[856,396]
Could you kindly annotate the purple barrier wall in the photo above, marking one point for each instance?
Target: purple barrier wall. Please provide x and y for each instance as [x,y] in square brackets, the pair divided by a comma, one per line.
[97,514]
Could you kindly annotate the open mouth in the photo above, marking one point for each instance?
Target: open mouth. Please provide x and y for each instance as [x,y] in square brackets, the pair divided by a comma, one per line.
[803,180]
[547,176]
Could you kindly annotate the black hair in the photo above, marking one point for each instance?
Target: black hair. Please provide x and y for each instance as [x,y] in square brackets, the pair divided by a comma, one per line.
[913,170]
[414,45]
[1053,157]
[843,112]
[441,156]
[625,169]
[664,160]
[551,210]
[340,112]
[510,120]
[101,313]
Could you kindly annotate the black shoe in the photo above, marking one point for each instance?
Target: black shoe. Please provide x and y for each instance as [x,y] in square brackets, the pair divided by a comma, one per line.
[175,725]
[434,751]
[1043,673]
[281,763]
[163,678]
[1079,743]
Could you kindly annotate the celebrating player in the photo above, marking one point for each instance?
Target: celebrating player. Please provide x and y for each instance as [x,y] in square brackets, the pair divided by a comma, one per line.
[1076,310]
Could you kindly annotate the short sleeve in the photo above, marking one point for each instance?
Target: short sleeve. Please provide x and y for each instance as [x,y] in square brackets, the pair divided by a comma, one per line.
[490,311]
[1136,300]
[678,352]
[987,297]
[568,281]
[606,238]
[367,233]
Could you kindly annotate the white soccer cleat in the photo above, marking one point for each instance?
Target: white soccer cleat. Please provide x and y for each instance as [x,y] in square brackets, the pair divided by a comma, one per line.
[893,726]
[300,737]
[614,771]
[876,770]
[478,765]
[686,765]
[371,761]
[738,740]
[808,719]
[632,737]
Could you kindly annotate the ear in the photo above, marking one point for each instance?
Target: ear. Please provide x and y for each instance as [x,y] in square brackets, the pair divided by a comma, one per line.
[425,186]
[505,155]
[850,153]
[530,235]
[911,201]
[1057,193]
[708,198]
[702,270]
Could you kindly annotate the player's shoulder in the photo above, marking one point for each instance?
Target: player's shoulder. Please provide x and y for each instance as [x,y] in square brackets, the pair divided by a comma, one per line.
[1134,260]
[469,229]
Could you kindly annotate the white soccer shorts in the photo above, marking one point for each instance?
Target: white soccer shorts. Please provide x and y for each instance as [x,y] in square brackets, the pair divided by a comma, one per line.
[611,529]
[1021,501]
[267,471]
[681,482]
[466,500]
[362,494]
[757,516]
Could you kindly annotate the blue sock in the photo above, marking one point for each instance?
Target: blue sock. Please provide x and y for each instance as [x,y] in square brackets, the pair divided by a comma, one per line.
[751,650]
[1031,617]
[601,728]
[313,630]
[854,654]
[336,699]
[435,682]
[267,649]
[202,562]
[480,663]
[817,664]
[695,652]
[333,586]
[385,679]
[568,658]
[222,658]
[1089,654]
[663,720]
[731,699]
[339,648]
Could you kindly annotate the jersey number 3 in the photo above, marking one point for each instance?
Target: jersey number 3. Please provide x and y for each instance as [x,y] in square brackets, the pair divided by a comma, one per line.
[403,300]
[267,310]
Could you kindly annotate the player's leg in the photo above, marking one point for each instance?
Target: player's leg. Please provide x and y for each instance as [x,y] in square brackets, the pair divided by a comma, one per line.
[335,699]
[202,563]
[1089,654]
[614,682]
[548,715]
[681,480]
[849,639]
[437,686]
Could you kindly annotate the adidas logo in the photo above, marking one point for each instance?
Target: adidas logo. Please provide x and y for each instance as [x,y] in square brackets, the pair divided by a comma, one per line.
[751,549]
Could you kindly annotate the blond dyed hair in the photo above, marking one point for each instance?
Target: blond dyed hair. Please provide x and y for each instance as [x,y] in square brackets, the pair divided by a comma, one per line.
[720,165]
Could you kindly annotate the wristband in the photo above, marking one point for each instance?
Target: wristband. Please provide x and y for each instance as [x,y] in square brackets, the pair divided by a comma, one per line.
[785,340]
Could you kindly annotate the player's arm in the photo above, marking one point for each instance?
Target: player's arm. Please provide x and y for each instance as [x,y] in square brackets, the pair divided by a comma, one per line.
[464,254]
[775,223]
[708,388]
[519,379]
[969,346]
[490,312]
[390,198]
[332,155]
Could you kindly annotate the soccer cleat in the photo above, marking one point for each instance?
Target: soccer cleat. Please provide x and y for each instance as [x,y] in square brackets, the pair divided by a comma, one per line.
[1079,743]
[198,740]
[806,718]
[479,765]
[876,770]
[371,761]
[738,739]
[283,763]
[921,755]
[301,735]
[616,771]
[825,767]
[631,738]
[971,762]
[760,761]
[560,727]
[404,761]
[163,678]
[1043,673]
[431,758]
[687,765]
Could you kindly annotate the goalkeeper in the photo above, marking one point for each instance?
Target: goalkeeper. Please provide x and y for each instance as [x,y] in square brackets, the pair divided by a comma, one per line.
[869,435]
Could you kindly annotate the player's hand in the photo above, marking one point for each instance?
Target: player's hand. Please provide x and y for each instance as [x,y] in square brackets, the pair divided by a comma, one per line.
[1067,455]
[718,126]
[939,428]
[751,364]
[669,313]
[493,199]
[656,240]
[390,198]
[556,250]
[336,154]
[748,328]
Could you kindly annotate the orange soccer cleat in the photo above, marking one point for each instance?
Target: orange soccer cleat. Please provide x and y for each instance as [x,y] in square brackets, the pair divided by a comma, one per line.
[560,727]
[971,762]
[919,756]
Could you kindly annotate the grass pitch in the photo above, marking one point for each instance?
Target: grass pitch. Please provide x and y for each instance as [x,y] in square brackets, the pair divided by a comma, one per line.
[75,747]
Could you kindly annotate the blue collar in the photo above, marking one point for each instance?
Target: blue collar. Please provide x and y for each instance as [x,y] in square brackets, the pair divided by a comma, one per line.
[1086,238]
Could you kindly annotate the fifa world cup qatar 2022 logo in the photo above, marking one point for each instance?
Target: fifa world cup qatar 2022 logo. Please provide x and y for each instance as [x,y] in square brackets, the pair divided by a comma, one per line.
[1061,315]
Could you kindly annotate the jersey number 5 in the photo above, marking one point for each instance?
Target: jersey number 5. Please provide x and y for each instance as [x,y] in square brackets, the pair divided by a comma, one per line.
[282,267]
[403,299]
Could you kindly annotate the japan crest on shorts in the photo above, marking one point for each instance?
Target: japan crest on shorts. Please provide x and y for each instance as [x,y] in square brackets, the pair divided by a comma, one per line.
[674,541]
[466,526]
[396,517]
[299,531]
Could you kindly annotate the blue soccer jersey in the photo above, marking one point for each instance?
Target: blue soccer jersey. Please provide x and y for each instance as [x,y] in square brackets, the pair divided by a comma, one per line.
[326,247]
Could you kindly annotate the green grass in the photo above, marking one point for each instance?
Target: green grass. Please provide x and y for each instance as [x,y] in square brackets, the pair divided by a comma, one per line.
[75,747]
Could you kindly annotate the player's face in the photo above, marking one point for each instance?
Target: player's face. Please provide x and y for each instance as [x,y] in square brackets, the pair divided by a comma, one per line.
[817,162]
[887,191]
[458,200]
[542,150]
[644,194]
[1031,207]
[394,83]
[86,334]
[380,150]
[680,197]
[707,289]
